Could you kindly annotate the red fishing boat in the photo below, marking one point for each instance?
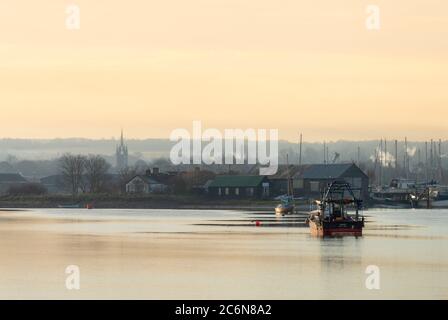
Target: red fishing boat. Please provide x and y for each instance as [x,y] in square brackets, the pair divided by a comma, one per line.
[332,218]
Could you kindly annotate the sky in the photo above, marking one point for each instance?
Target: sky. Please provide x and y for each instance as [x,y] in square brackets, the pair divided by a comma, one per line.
[150,67]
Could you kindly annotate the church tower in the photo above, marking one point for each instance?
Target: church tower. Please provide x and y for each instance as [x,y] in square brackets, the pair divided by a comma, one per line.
[122,154]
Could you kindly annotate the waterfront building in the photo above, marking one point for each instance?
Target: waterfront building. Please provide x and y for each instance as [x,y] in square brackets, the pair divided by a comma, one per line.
[313,179]
[229,186]
[150,182]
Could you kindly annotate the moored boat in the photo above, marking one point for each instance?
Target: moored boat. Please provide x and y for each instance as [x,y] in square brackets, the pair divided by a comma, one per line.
[286,207]
[332,218]
[287,201]
[399,193]
[69,206]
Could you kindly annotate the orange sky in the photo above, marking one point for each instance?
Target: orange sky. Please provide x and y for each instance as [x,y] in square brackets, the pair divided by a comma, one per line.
[152,66]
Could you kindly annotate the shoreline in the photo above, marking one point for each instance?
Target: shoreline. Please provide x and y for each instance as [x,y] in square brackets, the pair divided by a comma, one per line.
[257,208]
[136,202]
[155,201]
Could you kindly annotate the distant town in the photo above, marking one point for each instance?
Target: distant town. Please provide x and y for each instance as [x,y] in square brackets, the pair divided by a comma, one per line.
[383,172]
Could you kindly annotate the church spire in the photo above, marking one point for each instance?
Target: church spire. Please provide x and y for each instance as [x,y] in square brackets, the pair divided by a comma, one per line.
[122,153]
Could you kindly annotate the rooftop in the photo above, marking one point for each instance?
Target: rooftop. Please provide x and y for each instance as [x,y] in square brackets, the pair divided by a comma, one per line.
[12,178]
[327,171]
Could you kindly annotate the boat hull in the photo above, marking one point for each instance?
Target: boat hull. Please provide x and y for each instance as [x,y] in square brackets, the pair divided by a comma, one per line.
[334,229]
[69,206]
[284,210]
[439,203]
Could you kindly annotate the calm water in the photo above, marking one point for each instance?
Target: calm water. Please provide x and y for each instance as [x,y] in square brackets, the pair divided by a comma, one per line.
[200,254]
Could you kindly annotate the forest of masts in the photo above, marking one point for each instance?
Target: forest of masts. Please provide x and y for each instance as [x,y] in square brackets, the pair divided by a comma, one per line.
[422,162]
[423,166]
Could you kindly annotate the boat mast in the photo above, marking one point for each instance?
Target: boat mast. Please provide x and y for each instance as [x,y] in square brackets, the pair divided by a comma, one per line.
[440,161]
[385,159]
[359,156]
[289,176]
[419,155]
[426,161]
[431,160]
[325,153]
[406,160]
[396,158]
[381,163]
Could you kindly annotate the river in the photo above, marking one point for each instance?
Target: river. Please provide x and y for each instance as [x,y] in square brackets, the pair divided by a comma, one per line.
[212,254]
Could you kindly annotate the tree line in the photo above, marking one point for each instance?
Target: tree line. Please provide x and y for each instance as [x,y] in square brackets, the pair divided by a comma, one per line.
[84,173]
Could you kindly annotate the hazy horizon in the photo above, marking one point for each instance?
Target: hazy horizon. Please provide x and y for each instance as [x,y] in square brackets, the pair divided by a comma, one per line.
[159,148]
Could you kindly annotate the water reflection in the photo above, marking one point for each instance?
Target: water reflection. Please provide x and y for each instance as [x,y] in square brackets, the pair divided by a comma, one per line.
[181,254]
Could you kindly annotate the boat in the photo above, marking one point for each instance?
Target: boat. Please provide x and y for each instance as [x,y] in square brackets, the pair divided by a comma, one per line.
[286,206]
[332,218]
[431,195]
[405,193]
[399,193]
[287,201]
[443,204]
[69,206]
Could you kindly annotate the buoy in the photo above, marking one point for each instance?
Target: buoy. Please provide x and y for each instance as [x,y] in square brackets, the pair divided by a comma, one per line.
[257,223]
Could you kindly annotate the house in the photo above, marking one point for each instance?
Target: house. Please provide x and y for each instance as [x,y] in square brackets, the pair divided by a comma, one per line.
[146,184]
[8,180]
[239,187]
[313,179]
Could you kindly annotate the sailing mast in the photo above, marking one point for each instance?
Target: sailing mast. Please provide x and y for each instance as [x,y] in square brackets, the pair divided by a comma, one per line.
[406,157]
[426,161]
[381,162]
[359,156]
[290,192]
[439,156]
[326,153]
[396,158]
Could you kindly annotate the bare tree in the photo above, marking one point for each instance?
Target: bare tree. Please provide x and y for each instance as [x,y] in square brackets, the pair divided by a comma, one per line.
[96,171]
[73,167]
